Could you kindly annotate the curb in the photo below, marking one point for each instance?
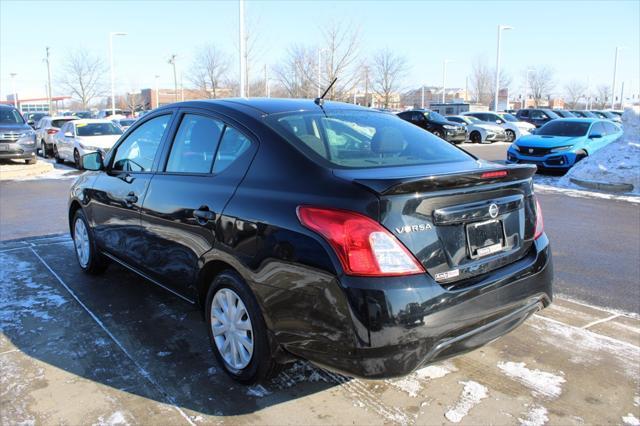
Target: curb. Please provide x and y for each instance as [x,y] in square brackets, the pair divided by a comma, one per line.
[16,171]
[608,187]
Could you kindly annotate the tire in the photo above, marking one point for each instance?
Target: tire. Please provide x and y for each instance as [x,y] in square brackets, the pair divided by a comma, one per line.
[56,155]
[76,159]
[511,135]
[30,161]
[90,261]
[257,366]
[43,149]
[438,133]
[475,137]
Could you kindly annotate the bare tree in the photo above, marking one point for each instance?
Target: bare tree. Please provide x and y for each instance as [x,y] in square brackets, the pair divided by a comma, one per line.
[602,98]
[388,70]
[83,76]
[209,70]
[480,81]
[574,91]
[132,101]
[541,83]
[295,71]
[505,84]
[341,60]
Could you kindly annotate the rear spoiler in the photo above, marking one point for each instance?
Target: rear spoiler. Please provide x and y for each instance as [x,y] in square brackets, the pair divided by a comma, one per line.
[460,179]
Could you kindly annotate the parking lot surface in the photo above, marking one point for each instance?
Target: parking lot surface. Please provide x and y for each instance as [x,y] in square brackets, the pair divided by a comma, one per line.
[115,349]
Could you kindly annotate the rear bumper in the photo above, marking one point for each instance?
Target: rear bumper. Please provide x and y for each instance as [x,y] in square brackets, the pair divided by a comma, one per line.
[408,322]
[15,151]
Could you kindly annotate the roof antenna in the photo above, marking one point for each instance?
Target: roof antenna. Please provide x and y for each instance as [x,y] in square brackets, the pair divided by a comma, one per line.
[320,101]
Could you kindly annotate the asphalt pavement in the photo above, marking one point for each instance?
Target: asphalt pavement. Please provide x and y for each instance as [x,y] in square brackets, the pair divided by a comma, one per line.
[595,241]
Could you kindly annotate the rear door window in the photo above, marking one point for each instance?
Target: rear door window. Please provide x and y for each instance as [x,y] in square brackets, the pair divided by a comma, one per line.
[232,146]
[195,144]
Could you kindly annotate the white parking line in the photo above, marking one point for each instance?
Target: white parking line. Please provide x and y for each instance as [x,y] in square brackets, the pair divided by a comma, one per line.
[9,351]
[600,321]
[169,399]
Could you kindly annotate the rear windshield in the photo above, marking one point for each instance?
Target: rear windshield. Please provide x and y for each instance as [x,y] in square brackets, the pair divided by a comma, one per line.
[564,128]
[97,129]
[362,139]
[10,116]
[60,122]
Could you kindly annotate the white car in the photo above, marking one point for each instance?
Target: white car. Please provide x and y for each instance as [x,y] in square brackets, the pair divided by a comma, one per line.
[479,131]
[79,137]
[513,127]
[46,129]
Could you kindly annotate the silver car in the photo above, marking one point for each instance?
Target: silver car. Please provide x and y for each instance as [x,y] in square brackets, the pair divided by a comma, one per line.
[46,128]
[480,131]
[17,138]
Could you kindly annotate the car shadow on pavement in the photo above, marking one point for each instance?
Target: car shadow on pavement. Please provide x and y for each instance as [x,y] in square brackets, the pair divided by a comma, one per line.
[125,333]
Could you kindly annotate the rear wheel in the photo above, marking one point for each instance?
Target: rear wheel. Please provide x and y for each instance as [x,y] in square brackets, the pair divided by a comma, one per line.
[30,161]
[511,135]
[475,137]
[76,159]
[89,259]
[43,149]
[56,155]
[237,332]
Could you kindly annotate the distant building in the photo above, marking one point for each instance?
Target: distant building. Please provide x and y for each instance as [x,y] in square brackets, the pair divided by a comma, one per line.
[374,100]
[456,108]
[168,96]
[432,94]
[36,104]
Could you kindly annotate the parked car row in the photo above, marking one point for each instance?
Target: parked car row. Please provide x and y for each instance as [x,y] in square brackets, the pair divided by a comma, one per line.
[478,127]
[541,116]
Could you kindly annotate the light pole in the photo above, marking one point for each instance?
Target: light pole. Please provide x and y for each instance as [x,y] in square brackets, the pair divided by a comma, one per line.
[422,103]
[157,95]
[613,86]
[113,84]
[13,89]
[243,48]
[497,87]
[444,78]
[172,61]
[49,84]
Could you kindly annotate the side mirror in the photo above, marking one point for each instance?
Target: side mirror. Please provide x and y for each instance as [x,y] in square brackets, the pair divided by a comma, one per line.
[68,134]
[31,123]
[92,161]
[595,136]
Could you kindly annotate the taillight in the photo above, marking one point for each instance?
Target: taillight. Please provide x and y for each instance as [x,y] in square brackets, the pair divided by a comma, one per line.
[363,246]
[52,131]
[491,175]
[539,229]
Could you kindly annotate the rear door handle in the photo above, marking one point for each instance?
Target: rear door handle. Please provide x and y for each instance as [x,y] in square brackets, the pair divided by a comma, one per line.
[203,215]
[131,198]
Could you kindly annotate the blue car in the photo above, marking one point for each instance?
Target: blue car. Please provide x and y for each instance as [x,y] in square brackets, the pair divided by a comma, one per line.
[561,143]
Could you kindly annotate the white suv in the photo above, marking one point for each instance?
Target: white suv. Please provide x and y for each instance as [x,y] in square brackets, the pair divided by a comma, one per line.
[513,127]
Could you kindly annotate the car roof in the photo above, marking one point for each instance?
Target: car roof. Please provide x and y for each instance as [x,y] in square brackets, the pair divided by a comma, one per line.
[92,120]
[579,119]
[7,106]
[268,106]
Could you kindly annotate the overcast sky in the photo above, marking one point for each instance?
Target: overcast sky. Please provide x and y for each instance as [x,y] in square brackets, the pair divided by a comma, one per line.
[576,39]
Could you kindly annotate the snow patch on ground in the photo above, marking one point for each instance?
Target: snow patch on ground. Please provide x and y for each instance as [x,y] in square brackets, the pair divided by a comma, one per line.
[575,191]
[540,382]
[636,401]
[630,420]
[618,162]
[590,348]
[471,396]
[60,171]
[412,384]
[537,416]
[116,418]
[258,391]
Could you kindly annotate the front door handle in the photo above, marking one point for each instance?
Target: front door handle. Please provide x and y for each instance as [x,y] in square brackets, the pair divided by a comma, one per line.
[131,198]
[203,215]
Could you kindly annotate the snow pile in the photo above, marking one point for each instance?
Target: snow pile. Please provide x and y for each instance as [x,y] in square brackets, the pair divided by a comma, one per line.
[537,416]
[616,163]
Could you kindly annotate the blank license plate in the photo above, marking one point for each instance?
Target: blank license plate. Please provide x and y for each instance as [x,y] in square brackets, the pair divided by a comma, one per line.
[485,238]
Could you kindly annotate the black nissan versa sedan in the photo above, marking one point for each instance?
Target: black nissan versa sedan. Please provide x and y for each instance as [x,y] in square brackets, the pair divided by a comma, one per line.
[324,231]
